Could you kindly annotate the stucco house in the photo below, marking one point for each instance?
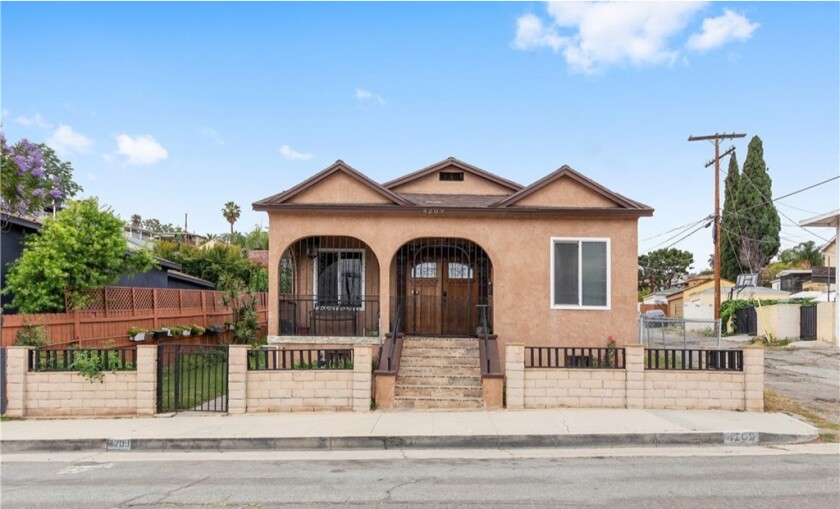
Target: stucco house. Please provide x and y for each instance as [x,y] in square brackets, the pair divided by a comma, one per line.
[450,251]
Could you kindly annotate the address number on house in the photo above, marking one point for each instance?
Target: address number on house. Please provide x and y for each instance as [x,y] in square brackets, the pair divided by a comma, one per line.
[118,444]
[740,438]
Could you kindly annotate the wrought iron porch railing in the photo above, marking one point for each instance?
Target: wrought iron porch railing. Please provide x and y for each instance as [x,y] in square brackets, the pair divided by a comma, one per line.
[310,315]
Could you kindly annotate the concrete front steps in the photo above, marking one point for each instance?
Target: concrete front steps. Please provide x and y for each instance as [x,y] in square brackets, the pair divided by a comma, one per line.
[439,374]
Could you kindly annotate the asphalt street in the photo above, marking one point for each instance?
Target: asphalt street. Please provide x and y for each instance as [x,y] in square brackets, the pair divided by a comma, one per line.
[384,480]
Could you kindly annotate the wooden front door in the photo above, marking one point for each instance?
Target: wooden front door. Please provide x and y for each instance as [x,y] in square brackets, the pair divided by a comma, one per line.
[442,294]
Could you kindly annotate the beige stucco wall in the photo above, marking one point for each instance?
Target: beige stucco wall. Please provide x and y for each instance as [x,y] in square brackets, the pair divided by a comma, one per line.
[825,322]
[519,249]
[781,321]
[340,184]
[565,193]
[472,184]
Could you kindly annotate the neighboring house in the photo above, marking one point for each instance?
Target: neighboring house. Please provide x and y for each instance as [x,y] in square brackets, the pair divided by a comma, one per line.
[803,280]
[447,247]
[661,297]
[13,229]
[677,300]
[700,305]
[829,252]
[145,238]
[167,275]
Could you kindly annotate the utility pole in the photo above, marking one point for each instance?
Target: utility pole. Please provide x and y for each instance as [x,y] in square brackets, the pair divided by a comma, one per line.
[716,139]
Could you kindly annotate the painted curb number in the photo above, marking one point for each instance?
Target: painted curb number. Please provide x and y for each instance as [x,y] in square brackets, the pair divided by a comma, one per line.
[118,444]
[740,438]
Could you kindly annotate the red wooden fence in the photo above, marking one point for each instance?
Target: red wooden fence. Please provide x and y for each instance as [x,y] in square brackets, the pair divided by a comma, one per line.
[113,310]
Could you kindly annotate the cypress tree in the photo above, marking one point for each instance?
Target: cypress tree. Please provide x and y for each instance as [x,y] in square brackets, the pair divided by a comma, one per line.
[759,218]
[730,240]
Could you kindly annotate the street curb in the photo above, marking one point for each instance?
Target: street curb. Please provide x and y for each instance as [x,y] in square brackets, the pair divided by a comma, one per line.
[411,442]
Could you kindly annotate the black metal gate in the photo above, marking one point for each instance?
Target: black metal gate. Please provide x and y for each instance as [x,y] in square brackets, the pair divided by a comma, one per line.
[808,323]
[746,321]
[444,287]
[192,378]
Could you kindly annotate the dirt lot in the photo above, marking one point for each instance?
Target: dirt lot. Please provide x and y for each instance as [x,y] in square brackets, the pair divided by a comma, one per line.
[810,375]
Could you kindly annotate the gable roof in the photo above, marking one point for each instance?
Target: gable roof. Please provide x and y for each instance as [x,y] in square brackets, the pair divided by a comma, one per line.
[337,167]
[566,171]
[461,165]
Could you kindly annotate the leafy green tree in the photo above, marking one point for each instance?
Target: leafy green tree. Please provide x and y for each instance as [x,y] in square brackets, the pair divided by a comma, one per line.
[659,269]
[759,219]
[213,263]
[136,221]
[60,173]
[231,211]
[82,249]
[243,304]
[730,240]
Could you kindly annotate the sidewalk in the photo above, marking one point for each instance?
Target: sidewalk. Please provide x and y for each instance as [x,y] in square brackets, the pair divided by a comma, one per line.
[398,430]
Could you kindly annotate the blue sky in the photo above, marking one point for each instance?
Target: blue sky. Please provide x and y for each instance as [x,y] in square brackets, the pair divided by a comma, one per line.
[166,109]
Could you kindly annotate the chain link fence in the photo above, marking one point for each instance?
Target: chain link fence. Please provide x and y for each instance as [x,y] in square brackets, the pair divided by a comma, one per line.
[677,332]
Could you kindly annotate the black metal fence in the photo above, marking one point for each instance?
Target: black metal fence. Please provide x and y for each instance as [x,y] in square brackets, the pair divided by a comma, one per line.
[573,357]
[288,359]
[115,359]
[192,377]
[694,360]
[310,315]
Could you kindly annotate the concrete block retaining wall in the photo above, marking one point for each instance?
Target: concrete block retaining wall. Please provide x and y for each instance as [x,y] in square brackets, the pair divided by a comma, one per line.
[634,386]
[127,393]
[67,393]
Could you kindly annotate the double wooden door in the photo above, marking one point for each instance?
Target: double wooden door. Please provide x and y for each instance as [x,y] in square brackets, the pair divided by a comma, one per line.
[441,297]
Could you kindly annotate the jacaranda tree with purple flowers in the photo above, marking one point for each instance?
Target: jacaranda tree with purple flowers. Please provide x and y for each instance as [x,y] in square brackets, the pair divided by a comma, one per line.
[33,178]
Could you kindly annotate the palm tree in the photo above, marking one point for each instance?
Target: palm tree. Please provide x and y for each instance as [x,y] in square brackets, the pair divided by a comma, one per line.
[808,255]
[231,211]
[136,221]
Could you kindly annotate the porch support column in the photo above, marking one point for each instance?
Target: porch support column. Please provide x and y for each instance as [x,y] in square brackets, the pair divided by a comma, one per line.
[384,294]
[277,244]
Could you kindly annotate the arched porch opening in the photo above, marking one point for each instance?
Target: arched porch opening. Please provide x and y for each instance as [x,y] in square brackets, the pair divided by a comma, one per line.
[441,287]
[329,286]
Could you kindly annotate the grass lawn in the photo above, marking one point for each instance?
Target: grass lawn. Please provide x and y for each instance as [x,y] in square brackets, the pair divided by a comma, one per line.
[201,378]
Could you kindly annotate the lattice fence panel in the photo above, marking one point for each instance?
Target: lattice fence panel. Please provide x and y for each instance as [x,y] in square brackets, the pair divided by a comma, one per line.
[191,299]
[144,299]
[95,301]
[167,299]
[118,298]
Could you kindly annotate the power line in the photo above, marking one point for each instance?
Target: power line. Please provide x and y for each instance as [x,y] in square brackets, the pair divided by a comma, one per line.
[705,219]
[683,227]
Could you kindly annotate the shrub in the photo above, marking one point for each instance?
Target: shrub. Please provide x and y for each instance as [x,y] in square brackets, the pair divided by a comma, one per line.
[32,334]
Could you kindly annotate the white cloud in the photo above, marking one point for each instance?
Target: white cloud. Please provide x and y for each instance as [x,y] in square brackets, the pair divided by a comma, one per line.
[65,139]
[531,34]
[726,28]
[213,134]
[36,120]
[363,95]
[141,150]
[289,153]
[593,36]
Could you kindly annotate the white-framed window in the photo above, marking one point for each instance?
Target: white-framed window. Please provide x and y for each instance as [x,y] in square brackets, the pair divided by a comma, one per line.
[340,278]
[424,270]
[580,273]
[459,270]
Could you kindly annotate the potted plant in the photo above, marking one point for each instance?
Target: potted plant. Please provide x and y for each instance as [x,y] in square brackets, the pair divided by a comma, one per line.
[163,332]
[213,330]
[197,330]
[229,326]
[137,334]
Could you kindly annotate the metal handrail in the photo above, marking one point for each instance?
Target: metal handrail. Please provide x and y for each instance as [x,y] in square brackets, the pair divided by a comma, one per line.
[394,334]
[486,336]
